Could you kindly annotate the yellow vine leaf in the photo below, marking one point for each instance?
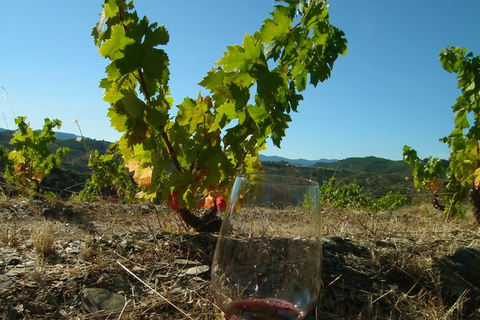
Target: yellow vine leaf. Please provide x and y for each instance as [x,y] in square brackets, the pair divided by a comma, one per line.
[209,202]
[476,174]
[434,185]
[19,168]
[39,176]
[142,176]
[132,165]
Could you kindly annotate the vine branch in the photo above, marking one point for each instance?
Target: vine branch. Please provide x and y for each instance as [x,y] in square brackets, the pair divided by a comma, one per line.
[143,85]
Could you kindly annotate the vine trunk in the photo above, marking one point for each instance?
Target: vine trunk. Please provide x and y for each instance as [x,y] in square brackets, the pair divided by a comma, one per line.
[474,196]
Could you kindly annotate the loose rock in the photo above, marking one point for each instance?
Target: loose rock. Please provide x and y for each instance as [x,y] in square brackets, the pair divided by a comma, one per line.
[97,299]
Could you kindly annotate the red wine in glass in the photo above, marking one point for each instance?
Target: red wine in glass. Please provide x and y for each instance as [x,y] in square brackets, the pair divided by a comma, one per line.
[265,309]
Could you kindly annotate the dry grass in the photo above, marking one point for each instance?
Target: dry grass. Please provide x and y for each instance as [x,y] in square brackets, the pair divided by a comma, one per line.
[43,237]
[380,267]
[400,249]
[8,235]
[406,222]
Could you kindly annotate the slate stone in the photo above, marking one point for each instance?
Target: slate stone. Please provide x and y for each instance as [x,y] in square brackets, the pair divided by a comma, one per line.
[97,299]
[460,272]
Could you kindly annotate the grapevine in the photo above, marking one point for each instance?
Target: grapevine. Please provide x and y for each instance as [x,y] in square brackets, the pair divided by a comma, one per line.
[31,159]
[252,90]
[108,173]
[462,174]
[352,196]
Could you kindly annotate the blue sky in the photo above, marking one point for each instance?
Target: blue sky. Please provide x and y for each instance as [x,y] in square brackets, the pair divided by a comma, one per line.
[389,90]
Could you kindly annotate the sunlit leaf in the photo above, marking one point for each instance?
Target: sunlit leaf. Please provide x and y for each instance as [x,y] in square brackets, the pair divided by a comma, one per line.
[113,47]
[461,120]
[143,176]
[275,28]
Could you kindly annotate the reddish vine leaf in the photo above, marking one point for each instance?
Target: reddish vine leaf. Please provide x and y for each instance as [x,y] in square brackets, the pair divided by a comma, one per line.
[19,168]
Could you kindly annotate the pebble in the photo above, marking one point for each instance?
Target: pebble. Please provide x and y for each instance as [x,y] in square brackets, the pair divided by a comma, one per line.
[15,272]
[194,271]
[177,291]
[5,284]
[185,262]
[31,263]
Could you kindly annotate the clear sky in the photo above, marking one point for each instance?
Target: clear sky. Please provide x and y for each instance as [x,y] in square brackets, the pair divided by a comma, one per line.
[390,89]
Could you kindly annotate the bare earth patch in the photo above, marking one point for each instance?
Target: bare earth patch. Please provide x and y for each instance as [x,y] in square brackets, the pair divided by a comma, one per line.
[113,261]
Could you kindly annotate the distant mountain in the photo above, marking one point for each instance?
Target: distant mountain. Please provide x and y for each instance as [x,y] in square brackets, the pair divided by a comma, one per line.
[60,135]
[65,136]
[373,165]
[368,165]
[300,162]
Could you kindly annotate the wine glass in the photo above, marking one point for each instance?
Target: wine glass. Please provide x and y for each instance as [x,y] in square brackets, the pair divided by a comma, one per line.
[267,262]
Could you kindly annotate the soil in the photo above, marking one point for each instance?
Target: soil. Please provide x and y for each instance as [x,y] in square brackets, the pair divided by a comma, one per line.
[111,261]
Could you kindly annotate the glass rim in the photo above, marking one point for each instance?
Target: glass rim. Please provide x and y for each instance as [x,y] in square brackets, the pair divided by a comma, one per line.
[271,178]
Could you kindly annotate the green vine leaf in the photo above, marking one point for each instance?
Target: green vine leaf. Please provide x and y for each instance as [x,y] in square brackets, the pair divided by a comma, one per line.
[113,47]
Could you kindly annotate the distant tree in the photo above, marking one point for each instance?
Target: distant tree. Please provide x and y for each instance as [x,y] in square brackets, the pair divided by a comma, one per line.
[461,177]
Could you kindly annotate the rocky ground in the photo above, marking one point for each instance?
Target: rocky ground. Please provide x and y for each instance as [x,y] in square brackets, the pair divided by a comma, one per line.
[111,261]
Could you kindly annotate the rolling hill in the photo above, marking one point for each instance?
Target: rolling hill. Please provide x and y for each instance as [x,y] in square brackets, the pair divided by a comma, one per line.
[376,175]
